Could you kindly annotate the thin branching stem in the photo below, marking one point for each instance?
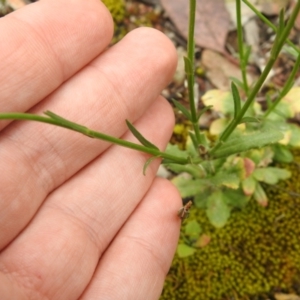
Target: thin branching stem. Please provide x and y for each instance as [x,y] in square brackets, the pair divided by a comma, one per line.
[274,54]
[191,75]
[263,18]
[286,87]
[243,62]
[61,122]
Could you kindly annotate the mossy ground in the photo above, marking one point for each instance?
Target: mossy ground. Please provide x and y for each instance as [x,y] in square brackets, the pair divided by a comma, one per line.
[255,255]
[128,15]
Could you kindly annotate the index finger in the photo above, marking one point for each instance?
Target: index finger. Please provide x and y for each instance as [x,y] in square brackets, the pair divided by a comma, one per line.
[46,43]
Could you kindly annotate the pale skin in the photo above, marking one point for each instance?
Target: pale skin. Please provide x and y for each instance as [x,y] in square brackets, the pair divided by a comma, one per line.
[78,219]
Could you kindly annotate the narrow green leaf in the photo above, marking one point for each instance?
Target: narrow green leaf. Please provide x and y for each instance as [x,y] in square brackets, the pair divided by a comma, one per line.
[139,136]
[203,110]
[249,120]
[184,250]
[247,53]
[250,141]
[218,212]
[269,100]
[64,122]
[238,82]
[194,141]
[236,99]
[184,110]
[188,66]
[281,22]
[148,162]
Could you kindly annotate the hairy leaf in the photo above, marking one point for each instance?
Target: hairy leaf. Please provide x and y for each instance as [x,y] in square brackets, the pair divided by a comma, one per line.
[235,198]
[217,210]
[250,141]
[282,154]
[271,175]
[192,229]
[188,187]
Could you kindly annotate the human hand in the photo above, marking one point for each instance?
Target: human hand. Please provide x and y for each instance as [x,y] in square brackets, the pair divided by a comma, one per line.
[77,217]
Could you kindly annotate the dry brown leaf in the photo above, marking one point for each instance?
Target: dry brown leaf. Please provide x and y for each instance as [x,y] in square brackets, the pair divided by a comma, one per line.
[297,22]
[272,7]
[212,21]
[219,70]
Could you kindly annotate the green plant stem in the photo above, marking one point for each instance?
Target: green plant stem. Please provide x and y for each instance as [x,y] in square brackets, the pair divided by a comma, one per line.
[191,75]
[61,122]
[263,18]
[274,54]
[241,45]
[286,87]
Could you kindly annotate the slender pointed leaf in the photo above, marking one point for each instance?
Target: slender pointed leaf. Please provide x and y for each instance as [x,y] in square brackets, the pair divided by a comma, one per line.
[202,111]
[236,99]
[247,53]
[194,140]
[238,82]
[281,22]
[148,162]
[139,136]
[66,123]
[184,110]
[188,66]
[269,100]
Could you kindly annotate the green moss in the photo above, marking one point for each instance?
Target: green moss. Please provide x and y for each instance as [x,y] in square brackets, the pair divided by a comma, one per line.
[257,253]
[116,8]
[118,11]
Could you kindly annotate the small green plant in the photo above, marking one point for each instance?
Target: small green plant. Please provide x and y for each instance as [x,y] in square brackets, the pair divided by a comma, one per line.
[226,171]
[254,256]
